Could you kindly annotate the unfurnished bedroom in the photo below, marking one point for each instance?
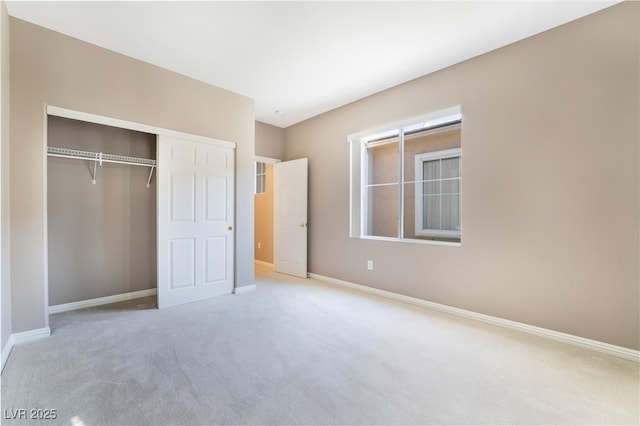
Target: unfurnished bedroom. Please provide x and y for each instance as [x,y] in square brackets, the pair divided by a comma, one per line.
[313,213]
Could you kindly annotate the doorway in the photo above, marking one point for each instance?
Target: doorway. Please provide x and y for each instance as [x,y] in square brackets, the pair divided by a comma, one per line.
[281,215]
[263,211]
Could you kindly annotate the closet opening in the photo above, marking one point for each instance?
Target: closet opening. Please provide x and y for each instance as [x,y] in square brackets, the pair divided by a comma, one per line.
[101,213]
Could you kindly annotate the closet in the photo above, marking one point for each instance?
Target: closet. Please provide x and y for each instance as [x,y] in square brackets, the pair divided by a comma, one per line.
[135,210]
[101,184]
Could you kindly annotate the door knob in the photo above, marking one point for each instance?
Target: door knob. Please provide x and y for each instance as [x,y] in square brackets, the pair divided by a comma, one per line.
[303,225]
[230,228]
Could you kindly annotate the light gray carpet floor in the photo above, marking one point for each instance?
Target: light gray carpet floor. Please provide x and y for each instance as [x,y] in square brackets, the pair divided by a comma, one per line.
[302,352]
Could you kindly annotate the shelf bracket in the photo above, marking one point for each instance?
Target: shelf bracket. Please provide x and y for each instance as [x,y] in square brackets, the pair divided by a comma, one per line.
[95,167]
[150,174]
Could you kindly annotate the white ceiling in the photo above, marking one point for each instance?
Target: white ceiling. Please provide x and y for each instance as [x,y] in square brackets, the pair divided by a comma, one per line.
[302,58]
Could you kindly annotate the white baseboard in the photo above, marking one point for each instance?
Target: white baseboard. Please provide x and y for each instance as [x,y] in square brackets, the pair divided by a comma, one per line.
[6,351]
[20,338]
[244,289]
[262,263]
[606,348]
[31,335]
[101,301]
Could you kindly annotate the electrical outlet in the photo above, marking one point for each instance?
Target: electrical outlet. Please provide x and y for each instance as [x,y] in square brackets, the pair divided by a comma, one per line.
[370,265]
[259,246]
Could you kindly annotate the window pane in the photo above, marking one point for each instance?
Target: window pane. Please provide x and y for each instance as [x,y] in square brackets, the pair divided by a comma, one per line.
[383,163]
[450,213]
[431,212]
[450,167]
[435,208]
[431,170]
[382,211]
[260,167]
[428,141]
[431,188]
[451,186]
[260,186]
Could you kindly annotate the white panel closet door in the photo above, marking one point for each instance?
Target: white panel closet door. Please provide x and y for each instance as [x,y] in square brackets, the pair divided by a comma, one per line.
[195,221]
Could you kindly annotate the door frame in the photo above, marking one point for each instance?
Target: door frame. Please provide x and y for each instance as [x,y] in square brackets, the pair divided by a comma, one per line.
[267,160]
[52,110]
[272,161]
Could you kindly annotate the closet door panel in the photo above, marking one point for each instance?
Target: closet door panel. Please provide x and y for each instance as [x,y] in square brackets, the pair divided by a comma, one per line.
[195,221]
[217,159]
[183,154]
[216,258]
[182,261]
[216,194]
[182,196]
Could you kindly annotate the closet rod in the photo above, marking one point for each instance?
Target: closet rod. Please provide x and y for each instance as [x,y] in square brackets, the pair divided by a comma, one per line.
[100,157]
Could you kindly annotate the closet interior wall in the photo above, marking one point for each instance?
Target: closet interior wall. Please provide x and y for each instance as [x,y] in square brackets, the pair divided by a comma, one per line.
[102,236]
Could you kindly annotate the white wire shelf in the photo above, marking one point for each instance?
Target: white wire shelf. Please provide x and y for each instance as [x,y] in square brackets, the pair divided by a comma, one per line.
[100,157]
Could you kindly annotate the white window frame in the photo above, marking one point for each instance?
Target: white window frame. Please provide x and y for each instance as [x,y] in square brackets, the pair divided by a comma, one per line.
[420,159]
[260,177]
[358,171]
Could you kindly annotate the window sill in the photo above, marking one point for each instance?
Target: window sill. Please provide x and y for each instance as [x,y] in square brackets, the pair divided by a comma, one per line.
[410,241]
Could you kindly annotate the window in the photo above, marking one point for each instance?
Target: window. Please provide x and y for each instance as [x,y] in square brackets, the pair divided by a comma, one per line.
[437,191]
[261,176]
[406,180]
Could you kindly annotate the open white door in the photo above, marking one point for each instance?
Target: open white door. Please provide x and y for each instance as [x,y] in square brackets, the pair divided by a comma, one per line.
[195,221]
[290,217]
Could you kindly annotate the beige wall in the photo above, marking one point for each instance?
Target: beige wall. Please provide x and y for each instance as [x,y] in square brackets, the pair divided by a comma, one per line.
[264,220]
[102,236]
[5,275]
[269,141]
[49,68]
[550,190]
